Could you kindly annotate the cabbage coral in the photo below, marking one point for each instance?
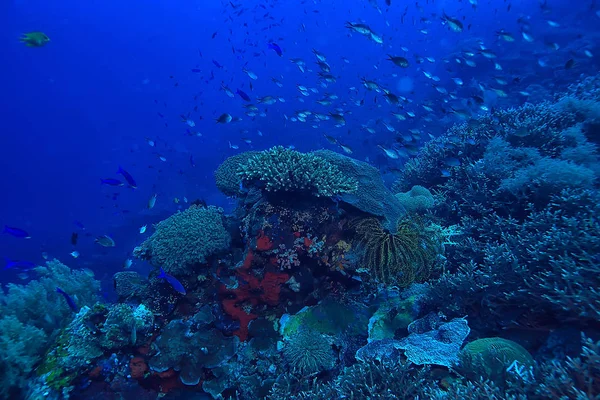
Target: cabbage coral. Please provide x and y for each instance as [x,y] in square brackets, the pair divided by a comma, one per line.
[185,238]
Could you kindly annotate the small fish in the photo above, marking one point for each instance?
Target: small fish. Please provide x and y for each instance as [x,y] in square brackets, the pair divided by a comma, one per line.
[454,24]
[275,47]
[243,95]
[224,119]
[152,201]
[105,241]
[331,139]
[175,284]
[74,237]
[111,182]
[445,173]
[398,61]
[130,181]
[233,146]
[250,74]
[127,263]
[452,162]
[74,254]
[389,152]
[69,300]
[143,229]
[16,232]
[34,39]
[18,264]
[346,149]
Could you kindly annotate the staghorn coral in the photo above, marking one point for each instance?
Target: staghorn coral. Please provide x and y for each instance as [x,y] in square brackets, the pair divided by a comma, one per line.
[399,258]
[284,170]
[185,239]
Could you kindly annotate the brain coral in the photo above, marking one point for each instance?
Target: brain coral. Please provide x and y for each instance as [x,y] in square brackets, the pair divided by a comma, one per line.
[281,169]
[185,238]
[416,199]
[489,357]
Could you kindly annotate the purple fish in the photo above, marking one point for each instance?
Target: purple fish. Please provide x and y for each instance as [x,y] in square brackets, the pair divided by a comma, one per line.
[276,48]
[172,281]
[16,232]
[69,300]
[243,95]
[16,264]
[111,182]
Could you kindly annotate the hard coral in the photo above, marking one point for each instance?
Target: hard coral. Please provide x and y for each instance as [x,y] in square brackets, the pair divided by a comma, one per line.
[138,367]
[285,170]
[186,238]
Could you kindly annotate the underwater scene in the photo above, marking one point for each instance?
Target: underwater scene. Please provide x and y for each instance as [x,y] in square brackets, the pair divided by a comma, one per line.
[294,200]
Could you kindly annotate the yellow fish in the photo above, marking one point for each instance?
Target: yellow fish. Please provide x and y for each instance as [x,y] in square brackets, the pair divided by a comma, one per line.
[34,39]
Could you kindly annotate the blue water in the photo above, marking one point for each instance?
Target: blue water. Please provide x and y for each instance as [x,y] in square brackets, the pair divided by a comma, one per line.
[76,109]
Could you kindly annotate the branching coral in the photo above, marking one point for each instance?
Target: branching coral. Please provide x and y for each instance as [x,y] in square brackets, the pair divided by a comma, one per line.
[186,238]
[285,170]
[399,258]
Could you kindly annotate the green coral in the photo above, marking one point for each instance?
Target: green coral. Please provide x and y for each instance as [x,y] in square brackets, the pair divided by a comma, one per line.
[399,258]
[490,357]
[416,199]
[186,238]
[308,352]
[280,169]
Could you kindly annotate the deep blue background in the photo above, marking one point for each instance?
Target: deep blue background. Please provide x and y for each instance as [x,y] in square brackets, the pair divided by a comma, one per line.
[76,109]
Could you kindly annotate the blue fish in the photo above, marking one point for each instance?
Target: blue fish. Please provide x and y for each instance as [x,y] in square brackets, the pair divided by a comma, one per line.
[111,182]
[243,95]
[172,280]
[16,232]
[196,70]
[17,264]
[217,64]
[275,46]
[69,299]
[128,178]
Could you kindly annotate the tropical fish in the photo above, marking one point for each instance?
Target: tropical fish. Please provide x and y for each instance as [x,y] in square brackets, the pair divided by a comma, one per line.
[105,241]
[16,232]
[275,47]
[152,201]
[389,152]
[243,95]
[74,237]
[127,263]
[69,299]
[34,39]
[130,181]
[74,254]
[143,229]
[111,182]
[18,264]
[398,60]
[175,284]
[224,119]
[454,24]
[250,74]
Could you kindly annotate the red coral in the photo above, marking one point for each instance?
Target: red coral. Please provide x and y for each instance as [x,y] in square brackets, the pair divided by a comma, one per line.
[263,242]
[251,291]
[307,242]
[138,367]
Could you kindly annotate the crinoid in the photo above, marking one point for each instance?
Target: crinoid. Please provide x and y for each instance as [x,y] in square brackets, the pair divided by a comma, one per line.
[399,258]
